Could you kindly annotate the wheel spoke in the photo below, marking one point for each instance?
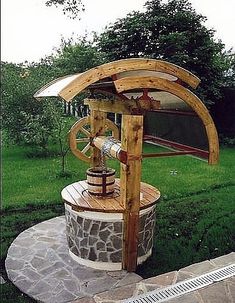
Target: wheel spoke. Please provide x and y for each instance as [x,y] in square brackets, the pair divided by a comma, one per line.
[85,132]
[80,135]
[86,148]
[82,140]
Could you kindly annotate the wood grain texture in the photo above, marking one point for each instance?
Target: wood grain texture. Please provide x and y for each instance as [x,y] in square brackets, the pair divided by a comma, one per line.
[73,141]
[97,120]
[184,94]
[125,107]
[131,138]
[107,70]
[77,196]
[81,127]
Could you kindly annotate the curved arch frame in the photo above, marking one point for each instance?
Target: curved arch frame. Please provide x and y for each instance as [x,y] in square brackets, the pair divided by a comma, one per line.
[187,96]
[108,69]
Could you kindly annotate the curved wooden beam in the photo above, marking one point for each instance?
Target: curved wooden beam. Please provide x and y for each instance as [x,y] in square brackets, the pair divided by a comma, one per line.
[187,96]
[108,69]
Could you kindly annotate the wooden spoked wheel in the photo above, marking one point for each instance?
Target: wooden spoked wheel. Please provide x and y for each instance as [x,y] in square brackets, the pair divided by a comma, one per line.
[80,137]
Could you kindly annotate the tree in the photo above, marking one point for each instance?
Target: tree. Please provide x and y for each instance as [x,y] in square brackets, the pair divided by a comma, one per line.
[171,31]
[62,125]
[230,73]
[19,108]
[77,56]
[71,8]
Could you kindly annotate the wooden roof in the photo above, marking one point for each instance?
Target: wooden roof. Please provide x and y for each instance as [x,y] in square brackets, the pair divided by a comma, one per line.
[132,75]
[68,87]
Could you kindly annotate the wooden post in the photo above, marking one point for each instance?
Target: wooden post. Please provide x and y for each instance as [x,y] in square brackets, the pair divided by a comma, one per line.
[132,135]
[97,120]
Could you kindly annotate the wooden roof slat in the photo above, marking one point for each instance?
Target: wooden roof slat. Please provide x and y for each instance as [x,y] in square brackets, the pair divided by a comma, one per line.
[106,70]
[68,87]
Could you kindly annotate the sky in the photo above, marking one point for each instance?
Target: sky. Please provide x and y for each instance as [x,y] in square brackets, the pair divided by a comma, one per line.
[30,30]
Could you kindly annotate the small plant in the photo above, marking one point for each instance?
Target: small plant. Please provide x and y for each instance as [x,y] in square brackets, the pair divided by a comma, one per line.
[62,125]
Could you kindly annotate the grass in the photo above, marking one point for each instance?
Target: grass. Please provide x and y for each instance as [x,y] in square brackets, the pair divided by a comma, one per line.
[195,214]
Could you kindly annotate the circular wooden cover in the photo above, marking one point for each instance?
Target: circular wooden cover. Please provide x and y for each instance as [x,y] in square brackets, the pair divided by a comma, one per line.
[77,196]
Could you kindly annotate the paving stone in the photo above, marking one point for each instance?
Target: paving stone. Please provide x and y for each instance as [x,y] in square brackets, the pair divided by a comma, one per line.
[63,296]
[31,274]
[84,300]
[25,242]
[65,257]
[17,252]
[72,286]
[129,278]
[39,288]
[52,267]
[46,239]
[25,284]
[13,275]
[45,225]
[86,274]
[40,245]
[118,274]
[230,287]
[41,253]
[39,263]
[58,288]
[215,293]
[224,260]
[61,273]
[199,268]
[116,294]
[99,285]
[14,264]
[141,288]
[52,282]
[46,297]
[187,298]
[162,280]
[182,276]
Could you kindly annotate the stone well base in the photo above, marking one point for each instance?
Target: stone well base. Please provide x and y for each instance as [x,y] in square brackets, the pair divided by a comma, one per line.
[95,239]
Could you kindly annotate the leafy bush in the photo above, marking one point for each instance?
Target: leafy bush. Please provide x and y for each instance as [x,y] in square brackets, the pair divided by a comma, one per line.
[227,141]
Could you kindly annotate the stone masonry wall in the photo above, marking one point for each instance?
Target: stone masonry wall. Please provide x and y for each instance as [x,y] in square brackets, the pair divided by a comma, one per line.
[146,231]
[94,240]
[101,241]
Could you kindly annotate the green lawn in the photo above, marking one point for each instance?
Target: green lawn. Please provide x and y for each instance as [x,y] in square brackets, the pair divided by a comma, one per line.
[34,180]
[195,215]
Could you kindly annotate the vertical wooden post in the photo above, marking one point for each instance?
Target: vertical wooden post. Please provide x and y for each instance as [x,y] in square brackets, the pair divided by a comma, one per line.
[97,120]
[132,135]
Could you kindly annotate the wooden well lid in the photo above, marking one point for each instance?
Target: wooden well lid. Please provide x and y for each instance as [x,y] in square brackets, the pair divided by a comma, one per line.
[76,195]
